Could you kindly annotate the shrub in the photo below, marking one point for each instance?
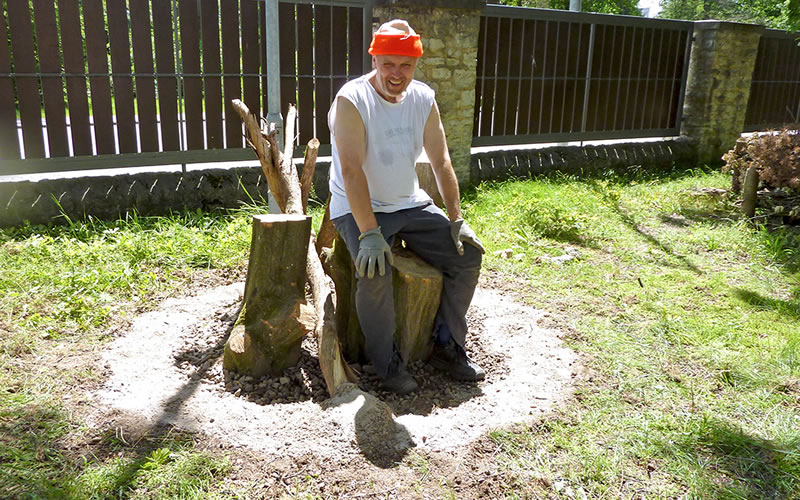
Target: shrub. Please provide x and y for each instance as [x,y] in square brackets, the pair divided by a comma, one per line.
[776,157]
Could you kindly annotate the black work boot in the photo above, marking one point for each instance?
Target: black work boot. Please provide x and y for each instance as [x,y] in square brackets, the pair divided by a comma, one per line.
[451,359]
[398,380]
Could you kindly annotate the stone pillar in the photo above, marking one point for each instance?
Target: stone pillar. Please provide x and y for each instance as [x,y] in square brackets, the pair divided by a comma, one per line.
[718,85]
[449,31]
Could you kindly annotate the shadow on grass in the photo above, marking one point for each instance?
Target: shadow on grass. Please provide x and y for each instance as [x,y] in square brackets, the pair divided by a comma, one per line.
[30,461]
[628,220]
[147,447]
[739,465]
[789,308]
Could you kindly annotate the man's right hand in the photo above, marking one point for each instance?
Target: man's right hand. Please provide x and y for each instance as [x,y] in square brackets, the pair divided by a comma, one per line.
[372,248]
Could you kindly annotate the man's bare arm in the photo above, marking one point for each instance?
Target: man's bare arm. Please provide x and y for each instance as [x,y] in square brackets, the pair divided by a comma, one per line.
[436,148]
[351,143]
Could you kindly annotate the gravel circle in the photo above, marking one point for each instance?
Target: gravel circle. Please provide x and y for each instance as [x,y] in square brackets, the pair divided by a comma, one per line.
[167,369]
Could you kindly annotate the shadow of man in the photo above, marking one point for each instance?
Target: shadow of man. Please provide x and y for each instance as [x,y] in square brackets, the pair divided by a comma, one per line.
[382,440]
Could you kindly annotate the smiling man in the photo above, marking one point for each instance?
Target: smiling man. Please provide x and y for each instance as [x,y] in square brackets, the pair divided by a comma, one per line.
[380,122]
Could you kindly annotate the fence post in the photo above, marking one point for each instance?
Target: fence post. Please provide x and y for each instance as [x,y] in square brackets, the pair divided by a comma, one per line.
[718,85]
[449,31]
[273,59]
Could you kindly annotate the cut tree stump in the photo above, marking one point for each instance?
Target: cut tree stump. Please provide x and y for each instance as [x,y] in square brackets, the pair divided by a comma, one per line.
[275,315]
[417,288]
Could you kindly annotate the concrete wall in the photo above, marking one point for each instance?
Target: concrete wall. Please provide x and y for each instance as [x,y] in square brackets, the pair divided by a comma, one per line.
[718,86]
[112,196]
[449,31]
[109,197]
[524,163]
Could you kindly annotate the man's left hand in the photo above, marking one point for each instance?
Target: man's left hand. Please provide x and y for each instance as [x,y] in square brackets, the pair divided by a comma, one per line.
[461,233]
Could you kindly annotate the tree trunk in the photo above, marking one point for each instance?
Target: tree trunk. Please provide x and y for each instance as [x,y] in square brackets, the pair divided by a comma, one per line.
[417,289]
[750,192]
[275,316]
[283,182]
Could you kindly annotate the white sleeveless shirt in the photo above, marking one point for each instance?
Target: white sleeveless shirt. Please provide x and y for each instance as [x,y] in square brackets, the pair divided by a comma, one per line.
[394,133]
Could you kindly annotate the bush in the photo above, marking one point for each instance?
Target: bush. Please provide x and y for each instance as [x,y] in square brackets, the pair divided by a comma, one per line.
[775,156]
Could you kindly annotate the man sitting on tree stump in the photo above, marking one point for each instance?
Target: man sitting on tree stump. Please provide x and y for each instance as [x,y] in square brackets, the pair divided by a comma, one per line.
[380,123]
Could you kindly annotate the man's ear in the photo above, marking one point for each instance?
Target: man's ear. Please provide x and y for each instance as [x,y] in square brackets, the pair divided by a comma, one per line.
[374,63]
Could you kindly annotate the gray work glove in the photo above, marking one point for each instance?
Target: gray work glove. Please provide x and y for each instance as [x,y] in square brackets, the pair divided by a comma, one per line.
[461,232]
[372,249]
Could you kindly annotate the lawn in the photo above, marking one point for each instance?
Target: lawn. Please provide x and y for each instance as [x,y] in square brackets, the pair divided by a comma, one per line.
[684,315]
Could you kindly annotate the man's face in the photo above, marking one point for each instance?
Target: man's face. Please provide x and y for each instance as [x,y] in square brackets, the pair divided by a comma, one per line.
[394,74]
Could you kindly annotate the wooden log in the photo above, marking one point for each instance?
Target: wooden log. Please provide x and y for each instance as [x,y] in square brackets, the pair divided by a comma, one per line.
[427,182]
[417,289]
[309,167]
[750,192]
[275,316]
[326,230]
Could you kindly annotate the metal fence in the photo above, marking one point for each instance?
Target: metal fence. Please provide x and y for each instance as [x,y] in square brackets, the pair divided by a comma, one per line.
[322,46]
[546,75]
[775,89]
[120,83]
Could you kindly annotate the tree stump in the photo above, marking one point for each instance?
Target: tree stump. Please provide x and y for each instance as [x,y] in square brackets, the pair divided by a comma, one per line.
[275,314]
[750,192]
[417,290]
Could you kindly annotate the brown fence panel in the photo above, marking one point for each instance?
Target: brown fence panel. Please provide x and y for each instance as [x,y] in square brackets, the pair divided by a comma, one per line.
[119,46]
[501,85]
[97,58]
[251,50]
[484,83]
[356,52]
[74,64]
[547,75]
[167,85]
[30,106]
[339,44]
[230,61]
[9,146]
[322,68]
[211,66]
[192,82]
[524,88]
[145,82]
[305,72]
[775,90]
[52,86]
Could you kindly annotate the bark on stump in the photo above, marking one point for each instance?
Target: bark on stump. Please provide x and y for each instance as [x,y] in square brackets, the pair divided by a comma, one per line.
[417,289]
[275,314]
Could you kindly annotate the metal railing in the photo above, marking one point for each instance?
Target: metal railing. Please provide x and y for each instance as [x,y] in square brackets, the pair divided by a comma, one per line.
[775,89]
[547,75]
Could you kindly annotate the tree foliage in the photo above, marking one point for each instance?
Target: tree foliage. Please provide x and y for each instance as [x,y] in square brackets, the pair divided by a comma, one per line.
[779,14]
[627,7]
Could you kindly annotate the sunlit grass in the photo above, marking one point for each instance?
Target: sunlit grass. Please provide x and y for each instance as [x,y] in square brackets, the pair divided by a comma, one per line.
[685,317]
[688,316]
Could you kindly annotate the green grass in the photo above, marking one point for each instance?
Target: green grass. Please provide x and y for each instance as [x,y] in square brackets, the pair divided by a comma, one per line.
[687,318]
[61,290]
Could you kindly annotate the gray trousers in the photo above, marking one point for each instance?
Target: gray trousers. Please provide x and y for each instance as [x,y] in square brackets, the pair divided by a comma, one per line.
[426,231]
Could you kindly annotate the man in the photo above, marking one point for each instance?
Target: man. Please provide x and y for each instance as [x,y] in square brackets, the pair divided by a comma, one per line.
[380,122]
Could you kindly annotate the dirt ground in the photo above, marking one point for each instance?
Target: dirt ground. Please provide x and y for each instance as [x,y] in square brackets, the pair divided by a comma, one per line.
[165,371]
